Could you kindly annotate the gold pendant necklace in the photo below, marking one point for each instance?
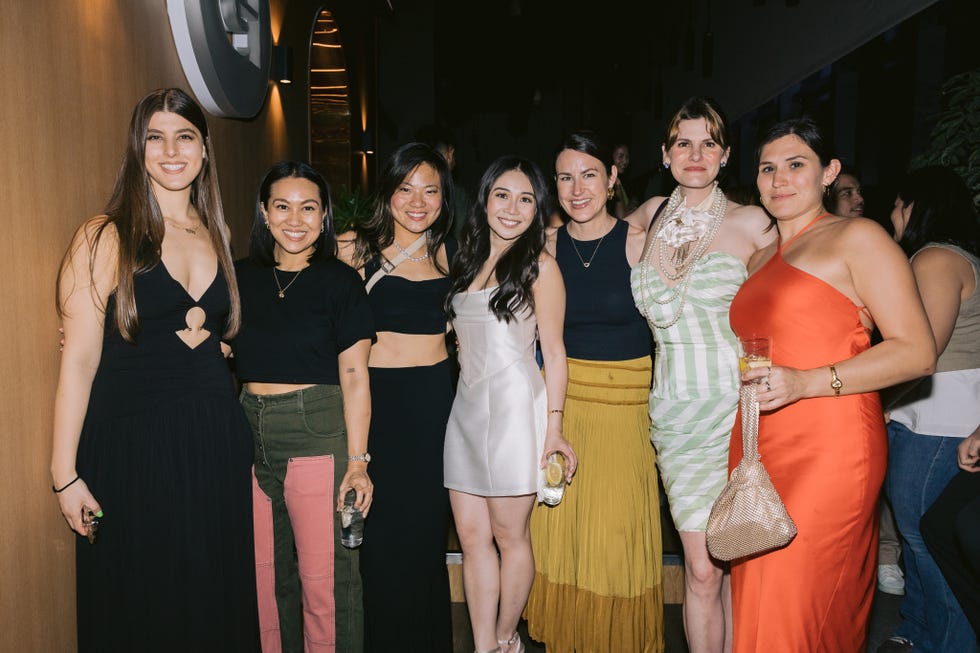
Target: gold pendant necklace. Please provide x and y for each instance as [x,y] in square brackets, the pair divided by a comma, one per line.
[282,291]
[586,264]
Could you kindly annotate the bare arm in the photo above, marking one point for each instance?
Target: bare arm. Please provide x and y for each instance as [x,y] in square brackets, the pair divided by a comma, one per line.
[355,384]
[643,215]
[549,309]
[82,293]
[940,283]
[883,281]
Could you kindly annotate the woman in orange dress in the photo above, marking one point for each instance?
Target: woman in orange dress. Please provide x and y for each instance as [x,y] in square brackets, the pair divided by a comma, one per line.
[818,292]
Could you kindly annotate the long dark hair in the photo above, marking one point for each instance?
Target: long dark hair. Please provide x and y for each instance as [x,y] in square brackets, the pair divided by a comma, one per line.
[517,269]
[942,210]
[378,231]
[261,245]
[138,222]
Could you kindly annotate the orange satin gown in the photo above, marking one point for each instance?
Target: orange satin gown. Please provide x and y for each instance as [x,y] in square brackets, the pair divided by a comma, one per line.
[827,458]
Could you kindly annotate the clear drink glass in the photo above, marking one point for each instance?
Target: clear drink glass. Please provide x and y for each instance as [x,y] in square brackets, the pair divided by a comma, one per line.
[754,352]
[351,522]
[554,479]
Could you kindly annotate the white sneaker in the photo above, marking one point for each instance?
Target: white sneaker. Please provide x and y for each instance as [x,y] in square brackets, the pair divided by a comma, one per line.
[891,580]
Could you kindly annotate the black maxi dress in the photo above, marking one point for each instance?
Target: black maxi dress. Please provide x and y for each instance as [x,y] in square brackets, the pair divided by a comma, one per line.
[167,452]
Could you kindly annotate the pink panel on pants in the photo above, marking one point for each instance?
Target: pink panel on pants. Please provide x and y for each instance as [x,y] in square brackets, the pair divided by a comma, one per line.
[308,490]
[265,570]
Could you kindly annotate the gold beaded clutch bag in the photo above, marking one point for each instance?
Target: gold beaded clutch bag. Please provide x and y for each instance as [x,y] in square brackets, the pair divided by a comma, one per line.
[748,517]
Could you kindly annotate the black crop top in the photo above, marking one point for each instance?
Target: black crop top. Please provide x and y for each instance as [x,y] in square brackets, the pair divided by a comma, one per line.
[400,305]
[297,338]
[601,319]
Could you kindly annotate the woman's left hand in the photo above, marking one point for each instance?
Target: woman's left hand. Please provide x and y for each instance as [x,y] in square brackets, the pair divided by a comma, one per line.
[357,478]
[554,441]
[776,386]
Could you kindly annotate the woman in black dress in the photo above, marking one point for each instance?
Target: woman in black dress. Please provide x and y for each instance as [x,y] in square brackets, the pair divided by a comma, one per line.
[403,558]
[147,429]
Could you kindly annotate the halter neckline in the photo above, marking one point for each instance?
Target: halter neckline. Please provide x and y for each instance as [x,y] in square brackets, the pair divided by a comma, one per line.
[800,232]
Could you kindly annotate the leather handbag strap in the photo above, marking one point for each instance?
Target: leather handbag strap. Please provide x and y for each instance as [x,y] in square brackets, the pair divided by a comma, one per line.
[388,265]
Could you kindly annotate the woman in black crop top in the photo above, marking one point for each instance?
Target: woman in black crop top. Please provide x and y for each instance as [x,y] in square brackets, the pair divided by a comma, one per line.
[601,545]
[302,356]
[403,558]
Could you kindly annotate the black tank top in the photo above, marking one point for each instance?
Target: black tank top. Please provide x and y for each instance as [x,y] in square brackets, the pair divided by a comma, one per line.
[601,319]
[400,305]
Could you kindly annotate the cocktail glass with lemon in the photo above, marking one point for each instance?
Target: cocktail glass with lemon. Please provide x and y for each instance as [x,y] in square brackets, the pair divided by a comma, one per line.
[554,479]
[754,352]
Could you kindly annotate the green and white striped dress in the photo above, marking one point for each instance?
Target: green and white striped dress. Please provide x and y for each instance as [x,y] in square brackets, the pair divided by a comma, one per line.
[695,382]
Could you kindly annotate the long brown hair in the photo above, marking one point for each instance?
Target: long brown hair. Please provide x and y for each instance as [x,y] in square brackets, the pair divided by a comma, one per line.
[138,222]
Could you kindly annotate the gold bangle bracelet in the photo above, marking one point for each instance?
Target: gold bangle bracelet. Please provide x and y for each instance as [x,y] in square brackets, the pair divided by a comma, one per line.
[557,410]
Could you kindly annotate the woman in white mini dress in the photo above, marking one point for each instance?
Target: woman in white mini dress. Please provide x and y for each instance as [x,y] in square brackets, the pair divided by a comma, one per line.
[506,419]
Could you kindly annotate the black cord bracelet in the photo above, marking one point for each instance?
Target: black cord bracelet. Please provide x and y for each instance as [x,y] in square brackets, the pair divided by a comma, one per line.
[65,486]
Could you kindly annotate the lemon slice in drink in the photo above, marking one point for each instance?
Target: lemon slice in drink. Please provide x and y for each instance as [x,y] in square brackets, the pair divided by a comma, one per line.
[553,472]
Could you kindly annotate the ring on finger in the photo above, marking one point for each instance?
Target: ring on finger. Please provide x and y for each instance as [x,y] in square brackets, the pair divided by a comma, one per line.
[768,387]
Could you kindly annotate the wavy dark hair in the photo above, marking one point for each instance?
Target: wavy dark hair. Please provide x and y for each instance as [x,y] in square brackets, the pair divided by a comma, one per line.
[135,215]
[261,245]
[517,269]
[942,210]
[378,231]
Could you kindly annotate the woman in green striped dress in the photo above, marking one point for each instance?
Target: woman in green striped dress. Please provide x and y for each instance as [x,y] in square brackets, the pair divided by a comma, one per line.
[697,250]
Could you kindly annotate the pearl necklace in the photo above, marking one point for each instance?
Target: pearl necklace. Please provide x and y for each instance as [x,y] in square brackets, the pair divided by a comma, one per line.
[414,259]
[678,218]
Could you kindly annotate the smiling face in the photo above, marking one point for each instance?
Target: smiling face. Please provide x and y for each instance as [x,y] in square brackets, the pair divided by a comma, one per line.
[695,157]
[582,184]
[511,206]
[621,158]
[791,178]
[417,201]
[295,214]
[174,152]
[848,200]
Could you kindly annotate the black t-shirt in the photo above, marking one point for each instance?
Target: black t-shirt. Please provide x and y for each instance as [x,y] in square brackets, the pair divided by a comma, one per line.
[297,338]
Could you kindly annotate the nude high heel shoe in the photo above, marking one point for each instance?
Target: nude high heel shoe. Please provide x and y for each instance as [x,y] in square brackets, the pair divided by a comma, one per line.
[512,645]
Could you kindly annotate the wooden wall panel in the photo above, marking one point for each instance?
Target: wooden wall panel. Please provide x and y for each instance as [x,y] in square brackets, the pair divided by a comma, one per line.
[71,73]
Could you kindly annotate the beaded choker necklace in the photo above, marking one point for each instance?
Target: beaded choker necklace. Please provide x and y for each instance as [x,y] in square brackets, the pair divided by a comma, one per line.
[690,232]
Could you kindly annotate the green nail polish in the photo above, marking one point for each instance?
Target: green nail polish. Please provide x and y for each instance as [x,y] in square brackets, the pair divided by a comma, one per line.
[99,514]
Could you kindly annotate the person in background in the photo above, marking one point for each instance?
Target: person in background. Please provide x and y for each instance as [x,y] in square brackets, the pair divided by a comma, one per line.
[403,254]
[505,420]
[951,530]
[818,292]
[622,202]
[698,246]
[937,227]
[598,584]
[148,436]
[441,139]
[302,355]
[844,196]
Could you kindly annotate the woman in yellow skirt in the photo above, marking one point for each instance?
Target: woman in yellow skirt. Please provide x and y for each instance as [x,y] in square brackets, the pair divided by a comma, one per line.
[598,583]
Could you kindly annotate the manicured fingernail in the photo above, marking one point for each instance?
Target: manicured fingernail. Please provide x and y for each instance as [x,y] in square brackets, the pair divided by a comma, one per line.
[99,514]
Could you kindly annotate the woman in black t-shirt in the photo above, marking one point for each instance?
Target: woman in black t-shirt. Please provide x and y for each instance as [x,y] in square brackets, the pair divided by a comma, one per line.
[302,356]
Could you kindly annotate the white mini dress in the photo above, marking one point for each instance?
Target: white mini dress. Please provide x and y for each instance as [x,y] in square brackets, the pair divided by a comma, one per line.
[496,429]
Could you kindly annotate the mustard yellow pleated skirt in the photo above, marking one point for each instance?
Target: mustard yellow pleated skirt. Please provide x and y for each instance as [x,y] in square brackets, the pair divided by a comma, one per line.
[598,584]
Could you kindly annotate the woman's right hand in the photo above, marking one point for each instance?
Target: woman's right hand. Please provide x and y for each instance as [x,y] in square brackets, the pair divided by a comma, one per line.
[73,500]
[968,452]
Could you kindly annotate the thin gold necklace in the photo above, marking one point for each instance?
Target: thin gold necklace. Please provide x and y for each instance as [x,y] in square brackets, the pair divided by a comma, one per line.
[282,291]
[586,264]
[175,225]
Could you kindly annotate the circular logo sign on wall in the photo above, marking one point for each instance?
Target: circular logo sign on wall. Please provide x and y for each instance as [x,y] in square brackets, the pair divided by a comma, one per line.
[224,48]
